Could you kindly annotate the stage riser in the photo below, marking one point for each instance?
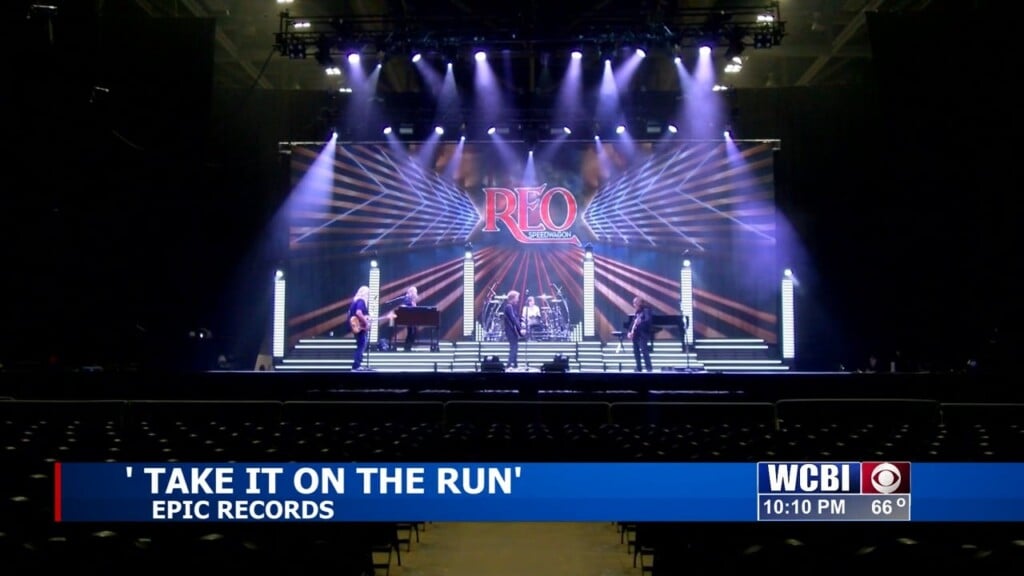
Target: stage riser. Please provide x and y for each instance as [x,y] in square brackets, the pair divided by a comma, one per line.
[586,356]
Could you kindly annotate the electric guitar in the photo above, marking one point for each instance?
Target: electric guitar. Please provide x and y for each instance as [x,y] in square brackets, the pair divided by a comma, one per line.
[636,324]
[358,325]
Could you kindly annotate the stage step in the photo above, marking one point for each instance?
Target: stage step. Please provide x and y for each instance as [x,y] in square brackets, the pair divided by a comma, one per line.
[711,355]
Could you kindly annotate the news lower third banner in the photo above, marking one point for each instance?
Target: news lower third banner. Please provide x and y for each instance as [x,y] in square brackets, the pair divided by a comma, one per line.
[537,492]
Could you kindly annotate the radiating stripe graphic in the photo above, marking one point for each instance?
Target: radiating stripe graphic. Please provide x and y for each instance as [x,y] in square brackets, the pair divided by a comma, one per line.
[690,196]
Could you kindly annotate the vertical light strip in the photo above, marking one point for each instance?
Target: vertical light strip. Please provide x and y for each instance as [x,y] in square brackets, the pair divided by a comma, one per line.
[279,323]
[374,303]
[788,328]
[588,294]
[686,296]
[468,294]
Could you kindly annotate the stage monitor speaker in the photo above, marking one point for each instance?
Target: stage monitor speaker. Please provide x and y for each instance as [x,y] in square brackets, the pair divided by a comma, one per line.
[559,363]
[492,364]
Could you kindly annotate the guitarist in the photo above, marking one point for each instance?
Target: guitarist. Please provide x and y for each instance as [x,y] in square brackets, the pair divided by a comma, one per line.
[640,333]
[359,321]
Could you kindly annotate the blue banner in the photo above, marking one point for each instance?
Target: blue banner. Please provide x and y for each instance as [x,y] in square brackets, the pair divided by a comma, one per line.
[698,492]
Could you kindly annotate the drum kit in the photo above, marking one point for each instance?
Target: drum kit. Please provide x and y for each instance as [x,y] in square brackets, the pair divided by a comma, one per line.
[551,326]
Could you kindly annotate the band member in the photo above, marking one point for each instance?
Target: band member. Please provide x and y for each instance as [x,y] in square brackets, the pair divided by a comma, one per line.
[359,322]
[412,296]
[531,313]
[640,333]
[513,327]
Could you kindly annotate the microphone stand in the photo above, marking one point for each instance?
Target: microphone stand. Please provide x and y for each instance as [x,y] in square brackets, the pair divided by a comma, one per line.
[686,343]
[526,323]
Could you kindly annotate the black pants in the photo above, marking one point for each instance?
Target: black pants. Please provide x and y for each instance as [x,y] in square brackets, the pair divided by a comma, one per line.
[513,351]
[410,337]
[642,353]
[361,341]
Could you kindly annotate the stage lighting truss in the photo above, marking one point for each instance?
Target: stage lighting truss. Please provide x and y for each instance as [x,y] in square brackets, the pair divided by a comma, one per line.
[608,36]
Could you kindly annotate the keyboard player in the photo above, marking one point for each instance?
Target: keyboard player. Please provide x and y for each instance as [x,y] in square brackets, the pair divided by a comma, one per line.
[411,298]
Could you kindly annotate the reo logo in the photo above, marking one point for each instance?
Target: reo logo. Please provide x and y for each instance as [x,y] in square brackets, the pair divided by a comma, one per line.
[533,214]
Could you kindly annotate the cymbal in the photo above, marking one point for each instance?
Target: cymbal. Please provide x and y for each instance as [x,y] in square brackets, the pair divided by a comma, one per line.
[497,301]
[501,297]
[545,297]
[556,300]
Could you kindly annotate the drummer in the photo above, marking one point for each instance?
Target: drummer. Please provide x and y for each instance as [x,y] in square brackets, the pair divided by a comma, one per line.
[531,313]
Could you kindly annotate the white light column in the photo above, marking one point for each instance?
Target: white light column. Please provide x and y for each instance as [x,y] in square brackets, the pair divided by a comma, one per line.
[279,313]
[588,292]
[374,303]
[468,293]
[686,297]
[788,326]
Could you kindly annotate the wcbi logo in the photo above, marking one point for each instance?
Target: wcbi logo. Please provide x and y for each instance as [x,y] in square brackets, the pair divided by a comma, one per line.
[833,477]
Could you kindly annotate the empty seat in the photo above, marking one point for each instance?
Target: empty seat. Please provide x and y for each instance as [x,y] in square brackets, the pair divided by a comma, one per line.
[883,411]
[482,412]
[676,413]
[372,412]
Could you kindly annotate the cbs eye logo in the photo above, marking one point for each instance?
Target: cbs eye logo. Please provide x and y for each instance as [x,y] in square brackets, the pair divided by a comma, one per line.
[885,477]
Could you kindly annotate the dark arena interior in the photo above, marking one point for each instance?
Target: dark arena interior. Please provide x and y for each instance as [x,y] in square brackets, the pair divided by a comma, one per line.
[657,231]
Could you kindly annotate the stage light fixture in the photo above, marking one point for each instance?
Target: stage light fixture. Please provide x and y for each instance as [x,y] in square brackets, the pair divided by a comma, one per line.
[788,323]
[439,130]
[450,54]
[686,296]
[577,55]
[387,130]
[677,60]
[417,57]
[491,131]
[279,274]
[374,304]
[705,50]
[588,292]
[354,58]
[641,53]
[280,325]
[736,45]
[480,56]
[620,129]
[566,129]
[672,128]
[468,290]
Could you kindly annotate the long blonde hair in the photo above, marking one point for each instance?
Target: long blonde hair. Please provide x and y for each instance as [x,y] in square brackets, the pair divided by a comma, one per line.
[362,294]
